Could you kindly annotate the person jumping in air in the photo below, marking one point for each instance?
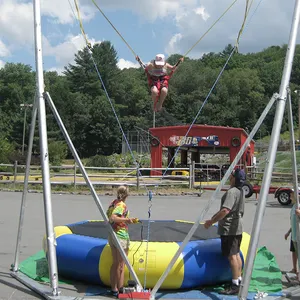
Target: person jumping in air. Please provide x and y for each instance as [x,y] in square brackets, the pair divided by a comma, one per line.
[159,73]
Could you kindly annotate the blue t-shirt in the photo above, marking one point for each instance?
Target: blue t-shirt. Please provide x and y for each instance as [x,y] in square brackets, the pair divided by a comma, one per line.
[294,223]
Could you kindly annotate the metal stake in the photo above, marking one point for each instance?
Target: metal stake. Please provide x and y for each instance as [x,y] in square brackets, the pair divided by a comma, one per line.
[260,211]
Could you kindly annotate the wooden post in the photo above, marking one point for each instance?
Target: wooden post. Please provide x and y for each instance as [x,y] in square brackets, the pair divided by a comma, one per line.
[137,177]
[75,168]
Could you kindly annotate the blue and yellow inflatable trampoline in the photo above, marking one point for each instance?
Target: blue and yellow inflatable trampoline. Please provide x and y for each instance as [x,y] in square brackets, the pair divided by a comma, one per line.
[83,254]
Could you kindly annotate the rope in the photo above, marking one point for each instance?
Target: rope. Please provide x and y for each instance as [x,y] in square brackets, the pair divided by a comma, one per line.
[80,23]
[121,128]
[200,110]
[148,237]
[114,28]
[210,28]
[102,83]
[247,10]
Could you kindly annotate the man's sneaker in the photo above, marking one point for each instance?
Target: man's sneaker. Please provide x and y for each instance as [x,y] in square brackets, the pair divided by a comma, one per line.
[232,290]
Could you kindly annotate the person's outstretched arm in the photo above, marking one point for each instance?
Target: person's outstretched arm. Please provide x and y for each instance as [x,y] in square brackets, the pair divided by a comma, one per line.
[173,68]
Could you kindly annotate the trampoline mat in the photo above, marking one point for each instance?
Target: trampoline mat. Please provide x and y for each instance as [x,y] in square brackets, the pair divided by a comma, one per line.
[160,231]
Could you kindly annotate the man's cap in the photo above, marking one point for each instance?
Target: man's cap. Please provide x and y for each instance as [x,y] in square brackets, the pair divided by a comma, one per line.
[239,176]
[159,60]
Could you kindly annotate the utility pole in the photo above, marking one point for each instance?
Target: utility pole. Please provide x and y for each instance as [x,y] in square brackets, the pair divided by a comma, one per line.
[25,105]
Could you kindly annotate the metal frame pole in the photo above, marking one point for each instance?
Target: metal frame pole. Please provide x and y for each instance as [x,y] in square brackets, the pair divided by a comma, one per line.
[25,188]
[213,197]
[294,164]
[90,185]
[260,211]
[51,240]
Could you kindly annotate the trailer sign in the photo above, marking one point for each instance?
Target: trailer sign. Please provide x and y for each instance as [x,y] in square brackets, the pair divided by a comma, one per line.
[194,141]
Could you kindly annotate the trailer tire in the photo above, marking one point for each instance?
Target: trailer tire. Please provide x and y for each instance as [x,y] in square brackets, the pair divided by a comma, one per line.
[284,197]
[248,189]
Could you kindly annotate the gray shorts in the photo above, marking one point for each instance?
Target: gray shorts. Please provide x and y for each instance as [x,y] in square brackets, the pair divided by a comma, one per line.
[124,243]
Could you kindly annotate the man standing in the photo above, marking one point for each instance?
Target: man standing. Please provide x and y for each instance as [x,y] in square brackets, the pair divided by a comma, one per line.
[230,228]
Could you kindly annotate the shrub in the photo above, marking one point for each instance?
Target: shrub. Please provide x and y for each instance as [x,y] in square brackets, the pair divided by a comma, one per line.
[98,161]
[6,149]
[58,151]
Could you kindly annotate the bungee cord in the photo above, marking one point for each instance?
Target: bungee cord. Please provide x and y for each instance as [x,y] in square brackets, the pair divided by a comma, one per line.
[125,138]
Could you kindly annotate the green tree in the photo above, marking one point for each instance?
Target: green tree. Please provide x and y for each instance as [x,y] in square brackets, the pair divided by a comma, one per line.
[83,77]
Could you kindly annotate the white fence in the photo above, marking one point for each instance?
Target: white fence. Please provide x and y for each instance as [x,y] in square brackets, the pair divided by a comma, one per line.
[194,176]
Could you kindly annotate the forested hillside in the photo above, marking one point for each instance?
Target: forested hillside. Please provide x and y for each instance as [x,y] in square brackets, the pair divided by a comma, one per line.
[238,100]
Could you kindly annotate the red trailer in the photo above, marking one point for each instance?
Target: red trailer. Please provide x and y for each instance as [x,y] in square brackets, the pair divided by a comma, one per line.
[201,139]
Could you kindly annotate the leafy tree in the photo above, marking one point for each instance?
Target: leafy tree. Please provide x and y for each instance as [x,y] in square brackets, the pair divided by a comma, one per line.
[17,86]
[83,77]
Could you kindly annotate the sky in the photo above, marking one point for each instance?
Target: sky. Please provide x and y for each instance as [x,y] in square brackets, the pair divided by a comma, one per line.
[148,26]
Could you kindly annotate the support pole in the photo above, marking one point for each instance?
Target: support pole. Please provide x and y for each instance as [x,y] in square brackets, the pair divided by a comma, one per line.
[298,101]
[51,240]
[213,197]
[260,211]
[25,188]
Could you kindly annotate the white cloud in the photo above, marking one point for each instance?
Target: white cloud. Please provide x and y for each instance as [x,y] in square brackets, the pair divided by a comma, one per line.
[58,70]
[62,12]
[148,10]
[16,23]
[172,46]
[64,53]
[4,51]
[202,12]
[2,63]
[185,21]
[126,64]
[153,34]
[16,19]
[262,31]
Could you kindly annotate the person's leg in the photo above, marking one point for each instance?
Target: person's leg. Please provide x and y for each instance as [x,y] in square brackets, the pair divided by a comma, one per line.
[296,251]
[162,97]
[121,265]
[238,240]
[294,258]
[235,267]
[240,263]
[230,249]
[154,94]
[113,269]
